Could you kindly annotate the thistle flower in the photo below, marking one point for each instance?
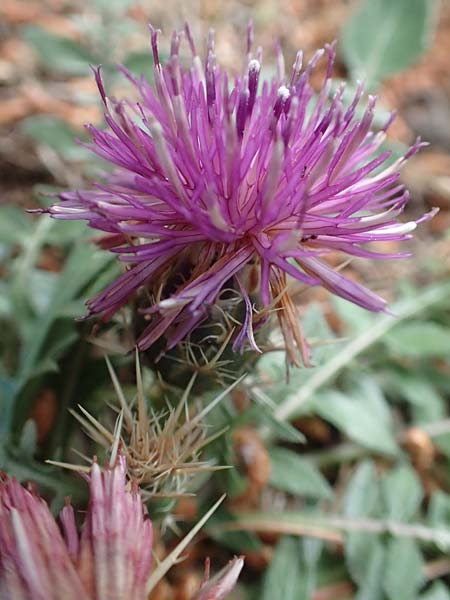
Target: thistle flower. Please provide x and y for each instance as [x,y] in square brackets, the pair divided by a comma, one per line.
[225,184]
[110,561]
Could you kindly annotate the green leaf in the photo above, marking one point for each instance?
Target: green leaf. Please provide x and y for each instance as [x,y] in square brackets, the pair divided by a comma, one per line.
[402,492]
[361,499]
[362,494]
[293,474]
[356,319]
[370,586]
[439,510]
[42,284]
[297,401]
[426,403]
[47,335]
[365,389]
[442,442]
[66,233]
[28,439]
[56,134]
[438,591]
[61,336]
[140,63]
[280,429]
[357,420]
[263,415]
[419,340]
[8,392]
[404,572]
[82,265]
[383,37]
[117,7]
[59,53]
[312,551]
[46,477]
[236,541]
[43,367]
[283,578]
[14,225]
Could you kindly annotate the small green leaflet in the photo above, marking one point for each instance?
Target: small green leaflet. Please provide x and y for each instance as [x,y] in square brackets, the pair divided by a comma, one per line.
[294,474]
[383,37]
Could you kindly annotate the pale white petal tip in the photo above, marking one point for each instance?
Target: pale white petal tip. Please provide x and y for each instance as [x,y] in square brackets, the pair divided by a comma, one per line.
[254,65]
[167,303]
[283,92]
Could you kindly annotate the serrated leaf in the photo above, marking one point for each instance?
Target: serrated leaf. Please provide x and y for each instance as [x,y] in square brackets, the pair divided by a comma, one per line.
[292,473]
[356,420]
[404,569]
[383,37]
[59,53]
[283,578]
[402,492]
[419,340]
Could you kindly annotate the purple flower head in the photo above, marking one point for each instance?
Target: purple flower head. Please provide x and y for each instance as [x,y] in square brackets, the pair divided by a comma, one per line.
[241,183]
[109,561]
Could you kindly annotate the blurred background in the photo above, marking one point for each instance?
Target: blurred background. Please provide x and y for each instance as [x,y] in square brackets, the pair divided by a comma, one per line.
[367,514]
